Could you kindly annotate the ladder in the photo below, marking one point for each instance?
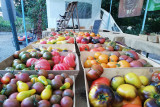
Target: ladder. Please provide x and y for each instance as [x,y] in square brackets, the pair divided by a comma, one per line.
[63,22]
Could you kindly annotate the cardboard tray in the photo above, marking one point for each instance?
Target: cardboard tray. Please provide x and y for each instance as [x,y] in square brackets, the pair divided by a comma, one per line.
[53,72]
[8,63]
[153,39]
[70,47]
[91,46]
[114,72]
[84,56]
[46,38]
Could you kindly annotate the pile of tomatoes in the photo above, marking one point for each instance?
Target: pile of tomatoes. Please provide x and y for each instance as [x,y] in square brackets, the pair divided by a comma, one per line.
[129,90]
[116,60]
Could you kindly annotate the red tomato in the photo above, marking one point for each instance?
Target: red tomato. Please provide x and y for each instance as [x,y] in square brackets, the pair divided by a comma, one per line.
[101,80]
[55,53]
[132,105]
[5,79]
[94,50]
[56,59]
[31,62]
[61,66]
[156,76]
[42,64]
[78,39]
[61,59]
[71,55]
[70,40]
[69,61]
[84,48]
[67,37]
[87,34]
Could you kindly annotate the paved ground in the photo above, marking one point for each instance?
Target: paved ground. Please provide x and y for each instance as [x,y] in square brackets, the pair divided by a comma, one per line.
[7,47]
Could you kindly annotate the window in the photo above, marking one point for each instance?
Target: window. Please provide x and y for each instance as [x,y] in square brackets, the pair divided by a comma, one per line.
[84,10]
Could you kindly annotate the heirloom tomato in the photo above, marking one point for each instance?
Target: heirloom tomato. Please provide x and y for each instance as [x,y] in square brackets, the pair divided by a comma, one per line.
[101,81]
[69,61]
[84,48]
[123,64]
[101,96]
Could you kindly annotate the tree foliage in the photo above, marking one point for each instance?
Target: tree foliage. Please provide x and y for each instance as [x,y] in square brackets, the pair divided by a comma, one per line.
[152,20]
[35,10]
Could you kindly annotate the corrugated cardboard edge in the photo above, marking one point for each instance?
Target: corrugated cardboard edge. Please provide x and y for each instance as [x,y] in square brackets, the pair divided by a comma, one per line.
[153,39]
[143,37]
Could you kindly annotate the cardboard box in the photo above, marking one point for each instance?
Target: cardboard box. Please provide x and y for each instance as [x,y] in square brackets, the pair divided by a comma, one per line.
[115,72]
[153,39]
[70,47]
[53,72]
[91,46]
[84,56]
[143,37]
[8,63]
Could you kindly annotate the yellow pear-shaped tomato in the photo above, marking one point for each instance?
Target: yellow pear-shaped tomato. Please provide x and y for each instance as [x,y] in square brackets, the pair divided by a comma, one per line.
[42,80]
[116,82]
[144,80]
[22,86]
[24,94]
[127,91]
[133,79]
[46,93]
[49,48]
[34,79]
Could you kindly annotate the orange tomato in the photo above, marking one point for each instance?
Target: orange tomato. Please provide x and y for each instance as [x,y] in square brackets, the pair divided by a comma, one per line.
[92,34]
[87,64]
[94,62]
[136,101]
[113,58]
[112,64]
[123,64]
[98,35]
[104,65]
[132,105]
[94,50]
[103,58]
[97,54]
[90,58]
[100,48]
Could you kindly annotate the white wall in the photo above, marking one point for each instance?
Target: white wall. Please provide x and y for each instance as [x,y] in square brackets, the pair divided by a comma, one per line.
[56,7]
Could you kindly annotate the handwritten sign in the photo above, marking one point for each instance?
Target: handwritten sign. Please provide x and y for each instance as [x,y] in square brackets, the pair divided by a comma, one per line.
[129,8]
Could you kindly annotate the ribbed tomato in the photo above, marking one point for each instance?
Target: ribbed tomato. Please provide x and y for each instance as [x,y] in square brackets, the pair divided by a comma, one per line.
[56,59]
[61,66]
[69,61]
[42,64]
[55,53]
[31,61]
[71,55]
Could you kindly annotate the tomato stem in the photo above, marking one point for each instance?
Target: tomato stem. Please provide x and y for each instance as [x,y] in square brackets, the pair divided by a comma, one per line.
[102,97]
